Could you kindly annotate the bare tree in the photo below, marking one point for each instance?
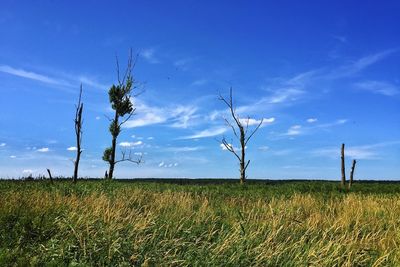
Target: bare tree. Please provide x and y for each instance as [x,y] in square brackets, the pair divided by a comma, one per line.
[120,99]
[343,182]
[78,133]
[240,128]
[353,166]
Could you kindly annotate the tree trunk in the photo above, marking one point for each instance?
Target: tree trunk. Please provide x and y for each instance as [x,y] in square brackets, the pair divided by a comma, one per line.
[343,182]
[78,132]
[113,148]
[353,166]
[243,157]
[51,178]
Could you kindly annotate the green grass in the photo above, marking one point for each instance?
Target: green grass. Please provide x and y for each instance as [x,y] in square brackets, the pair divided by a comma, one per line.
[199,223]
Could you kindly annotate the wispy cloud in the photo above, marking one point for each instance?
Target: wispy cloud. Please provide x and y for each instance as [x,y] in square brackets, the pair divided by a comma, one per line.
[178,116]
[72,148]
[368,152]
[31,75]
[294,130]
[378,87]
[2,144]
[64,80]
[206,133]
[299,129]
[149,55]
[184,149]
[312,120]
[43,149]
[357,66]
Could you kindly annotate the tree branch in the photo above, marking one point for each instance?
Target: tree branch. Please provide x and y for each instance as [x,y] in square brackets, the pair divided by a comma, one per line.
[254,131]
[129,158]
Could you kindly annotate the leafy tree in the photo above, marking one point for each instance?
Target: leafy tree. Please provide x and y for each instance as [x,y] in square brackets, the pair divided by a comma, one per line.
[120,99]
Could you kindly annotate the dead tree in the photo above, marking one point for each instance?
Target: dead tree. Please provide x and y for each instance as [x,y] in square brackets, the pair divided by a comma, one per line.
[50,177]
[240,128]
[120,99]
[353,166]
[78,134]
[343,182]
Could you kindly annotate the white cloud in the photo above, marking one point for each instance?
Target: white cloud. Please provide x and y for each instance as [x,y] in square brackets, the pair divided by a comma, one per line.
[378,87]
[331,124]
[252,122]
[161,164]
[312,120]
[130,144]
[29,75]
[176,164]
[27,171]
[180,116]
[43,149]
[294,130]
[69,81]
[207,133]
[72,148]
[98,117]
[13,157]
[144,120]
[150,138]
[2,144]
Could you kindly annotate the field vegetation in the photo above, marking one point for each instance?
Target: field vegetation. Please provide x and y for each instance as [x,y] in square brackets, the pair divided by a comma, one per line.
[198,223]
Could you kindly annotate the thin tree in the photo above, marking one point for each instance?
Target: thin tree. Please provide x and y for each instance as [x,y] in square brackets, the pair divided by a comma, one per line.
[120,99]
[78,133]
[353,166]
[343,181]
[240,128]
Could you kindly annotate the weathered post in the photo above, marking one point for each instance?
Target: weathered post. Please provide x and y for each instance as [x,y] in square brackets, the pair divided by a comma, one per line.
[343,182]
[353,166]
[51,177]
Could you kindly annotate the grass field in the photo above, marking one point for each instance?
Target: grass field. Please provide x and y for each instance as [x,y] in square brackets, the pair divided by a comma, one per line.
[199,223]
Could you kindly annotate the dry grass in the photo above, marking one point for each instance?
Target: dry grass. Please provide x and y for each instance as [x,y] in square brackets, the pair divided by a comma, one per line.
[134,226]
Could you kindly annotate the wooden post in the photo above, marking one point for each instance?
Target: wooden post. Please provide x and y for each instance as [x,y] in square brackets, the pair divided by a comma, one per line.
[51,178]
[343,182]
[353,166]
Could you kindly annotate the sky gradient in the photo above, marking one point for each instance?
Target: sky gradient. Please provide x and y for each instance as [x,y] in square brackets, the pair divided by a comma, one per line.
[320,74]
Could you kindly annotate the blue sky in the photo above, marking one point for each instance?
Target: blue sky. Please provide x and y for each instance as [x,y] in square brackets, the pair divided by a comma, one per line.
[319,73]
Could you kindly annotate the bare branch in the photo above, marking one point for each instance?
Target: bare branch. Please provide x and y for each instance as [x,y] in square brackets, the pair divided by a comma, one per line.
[129,158]
[247,165]
[254,131]
[128,117]
[230,148]
[233,128]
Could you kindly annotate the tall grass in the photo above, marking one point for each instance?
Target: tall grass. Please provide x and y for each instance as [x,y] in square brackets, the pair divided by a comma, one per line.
[122,224]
